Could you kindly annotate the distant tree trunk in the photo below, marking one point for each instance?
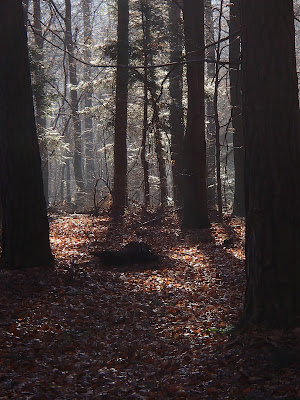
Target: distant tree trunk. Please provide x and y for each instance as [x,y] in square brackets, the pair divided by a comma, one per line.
[163,185]
[68,181]
[40,119]
[272,163]
[74,104]
[210,109]
[25,235]
[88,102]
[195,213]
[156,126]
[236,109]
[120,143]
[176,109]
[146,44]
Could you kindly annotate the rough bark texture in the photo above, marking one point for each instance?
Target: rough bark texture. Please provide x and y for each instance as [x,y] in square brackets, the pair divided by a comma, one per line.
[272,163]
[120,143]
[74,104]
[176,108]
[195,213]
[25,236]
[236,108]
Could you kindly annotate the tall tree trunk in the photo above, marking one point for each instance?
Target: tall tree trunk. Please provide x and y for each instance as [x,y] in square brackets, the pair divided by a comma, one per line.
[74,104]
[146,44]
[236,109]
[176,109]
[210,109]
[216,109]
[272,163]
[40,119]
[25,235]
[195,212]
[120,143]
[88,102]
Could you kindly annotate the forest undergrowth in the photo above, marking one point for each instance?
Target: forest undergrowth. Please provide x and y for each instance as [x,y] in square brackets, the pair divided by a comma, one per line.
[160,331]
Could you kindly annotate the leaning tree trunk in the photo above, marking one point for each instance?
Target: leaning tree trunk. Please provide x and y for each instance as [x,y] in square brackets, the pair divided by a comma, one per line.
[236,109]
[120,143]
[176,109]
[25,235]
[272,163]
[74,104]
[195,212]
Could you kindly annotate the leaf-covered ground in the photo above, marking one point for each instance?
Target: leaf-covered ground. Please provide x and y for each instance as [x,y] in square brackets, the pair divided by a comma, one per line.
[84,331]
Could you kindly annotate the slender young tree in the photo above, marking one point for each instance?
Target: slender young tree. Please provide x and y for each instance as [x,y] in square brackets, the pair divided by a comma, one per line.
[25,235]
[120,142]
[195,212]
[236,108]
[272,163]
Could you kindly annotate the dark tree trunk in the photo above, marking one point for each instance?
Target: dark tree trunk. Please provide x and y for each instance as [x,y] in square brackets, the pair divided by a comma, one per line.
[74,104]
[120,143]
[176,108]
[236,109]
[25,236]
[210,109]
[146,47]
[88,102]
[195,213]
[272,163]
[216,115]
[39,103]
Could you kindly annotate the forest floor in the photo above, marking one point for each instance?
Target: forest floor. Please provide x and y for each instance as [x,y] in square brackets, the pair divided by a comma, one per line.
[164,331]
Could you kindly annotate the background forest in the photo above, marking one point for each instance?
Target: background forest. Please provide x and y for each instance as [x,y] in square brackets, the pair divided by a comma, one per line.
[73,52]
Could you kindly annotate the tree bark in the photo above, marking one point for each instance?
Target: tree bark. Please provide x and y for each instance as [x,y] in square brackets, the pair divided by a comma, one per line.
[25,236]
[236,109]
[120,143]
[272,163]
[195,212]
